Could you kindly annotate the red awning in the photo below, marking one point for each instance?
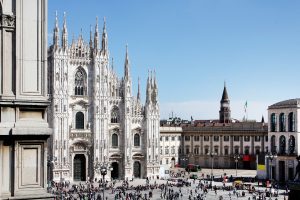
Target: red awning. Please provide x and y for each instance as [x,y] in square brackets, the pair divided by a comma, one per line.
[246,158]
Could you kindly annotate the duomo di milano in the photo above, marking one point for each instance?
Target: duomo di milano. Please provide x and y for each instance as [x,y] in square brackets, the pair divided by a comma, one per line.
[94,116]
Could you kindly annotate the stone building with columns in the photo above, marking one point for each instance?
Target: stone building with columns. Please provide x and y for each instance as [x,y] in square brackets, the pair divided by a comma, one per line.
[95,118]
[222,138]
[23,99]
[284,140]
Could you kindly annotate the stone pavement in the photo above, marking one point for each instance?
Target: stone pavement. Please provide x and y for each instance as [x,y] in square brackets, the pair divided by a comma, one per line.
[211,194]
[186,191]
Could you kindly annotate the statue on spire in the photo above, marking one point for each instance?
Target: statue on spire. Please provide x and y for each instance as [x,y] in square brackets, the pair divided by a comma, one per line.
[64,41]
[56,32]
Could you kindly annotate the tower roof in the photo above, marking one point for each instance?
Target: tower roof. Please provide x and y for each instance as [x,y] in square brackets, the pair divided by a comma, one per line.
[225,94]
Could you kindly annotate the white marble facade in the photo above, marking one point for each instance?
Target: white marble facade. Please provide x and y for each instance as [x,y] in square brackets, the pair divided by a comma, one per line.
[95,117]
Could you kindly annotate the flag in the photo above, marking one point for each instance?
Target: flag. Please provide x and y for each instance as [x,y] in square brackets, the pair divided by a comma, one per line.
[245,106]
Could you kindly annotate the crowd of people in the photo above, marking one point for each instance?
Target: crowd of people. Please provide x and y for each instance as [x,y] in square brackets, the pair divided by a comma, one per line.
[125,190]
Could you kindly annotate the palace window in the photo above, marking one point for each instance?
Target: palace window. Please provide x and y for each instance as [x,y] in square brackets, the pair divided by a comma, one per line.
[196,138]
[79,120]
[246,150]
[187,149]
[273,122]
[236,150]
[257,150]
[206,138]
[114,140]
[281,122]
[226,138]
[167,150]
[167,138]
[291,122]
[257,138]
[173,149]
[80,82]
[173,138]
[226,150]
[196,150]
[236,138]
[273,143]
[216,138]
[187,138]
[247,138]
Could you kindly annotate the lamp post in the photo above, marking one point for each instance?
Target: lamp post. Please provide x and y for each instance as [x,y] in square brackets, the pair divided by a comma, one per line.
[236,160]
[102,169]
[211,154]
[270,157]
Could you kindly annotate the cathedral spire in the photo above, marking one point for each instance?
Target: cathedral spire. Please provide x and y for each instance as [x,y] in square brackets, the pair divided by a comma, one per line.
[96,36]
[148,89]
[56,32]
[91,37]
[104,47]
[139,92]
[127,66]
[154,92]
[112,64]
[64,41]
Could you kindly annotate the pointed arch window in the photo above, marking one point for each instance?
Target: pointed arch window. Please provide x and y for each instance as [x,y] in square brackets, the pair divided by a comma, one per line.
[79,120]
[114,115]
[137,140]
[291,119]
[80,82]
[114,140]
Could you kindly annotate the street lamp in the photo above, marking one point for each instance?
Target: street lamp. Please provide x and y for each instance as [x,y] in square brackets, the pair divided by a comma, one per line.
[236,160]
[270,157]
[102,169]
[211,154]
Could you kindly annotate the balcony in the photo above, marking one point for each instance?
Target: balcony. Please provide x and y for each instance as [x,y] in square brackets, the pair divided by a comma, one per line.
[84,134]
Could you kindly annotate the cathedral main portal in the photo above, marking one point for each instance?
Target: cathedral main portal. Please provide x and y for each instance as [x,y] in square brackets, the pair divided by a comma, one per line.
[115,171]
[137,169]
[79,167]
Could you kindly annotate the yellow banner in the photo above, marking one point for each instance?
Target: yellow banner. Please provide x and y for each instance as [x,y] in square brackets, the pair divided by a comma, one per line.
[261,167]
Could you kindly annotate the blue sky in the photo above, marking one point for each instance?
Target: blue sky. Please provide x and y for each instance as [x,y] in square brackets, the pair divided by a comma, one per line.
[196,45]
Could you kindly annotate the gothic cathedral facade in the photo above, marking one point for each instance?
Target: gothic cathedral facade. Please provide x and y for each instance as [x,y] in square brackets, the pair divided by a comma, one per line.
[95,118]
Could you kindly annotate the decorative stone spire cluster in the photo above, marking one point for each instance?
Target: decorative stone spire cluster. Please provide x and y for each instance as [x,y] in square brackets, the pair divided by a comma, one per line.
[93,42]
[151,90]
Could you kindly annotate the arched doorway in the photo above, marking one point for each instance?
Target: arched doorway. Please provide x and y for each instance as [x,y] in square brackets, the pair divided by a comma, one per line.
[115,171]
[173,162]
[79,167]
[137,169]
